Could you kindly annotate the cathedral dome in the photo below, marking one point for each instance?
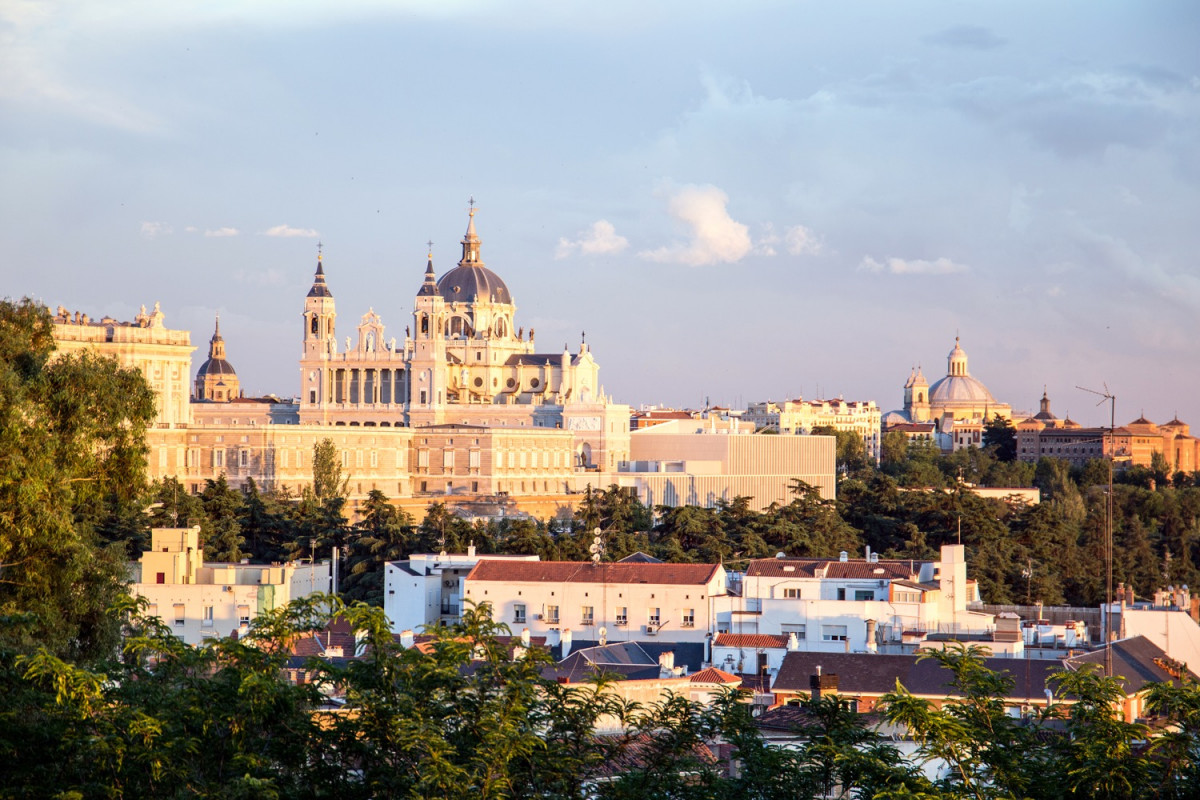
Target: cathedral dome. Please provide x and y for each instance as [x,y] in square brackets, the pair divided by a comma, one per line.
[216,367]
[471,281]
[959,389]
[467,283]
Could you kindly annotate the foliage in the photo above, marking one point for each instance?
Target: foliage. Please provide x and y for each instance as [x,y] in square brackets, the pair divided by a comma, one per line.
[327,471]
[72,464]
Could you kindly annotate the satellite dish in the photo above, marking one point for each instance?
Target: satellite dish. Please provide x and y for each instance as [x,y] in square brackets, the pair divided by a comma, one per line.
[603,634]
[594,548]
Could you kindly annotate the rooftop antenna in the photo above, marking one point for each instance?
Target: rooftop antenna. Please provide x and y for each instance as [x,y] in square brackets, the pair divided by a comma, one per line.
[1108,397]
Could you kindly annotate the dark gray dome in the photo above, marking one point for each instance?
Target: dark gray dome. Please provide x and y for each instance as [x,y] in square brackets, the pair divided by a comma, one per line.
[468,283]
[215,366]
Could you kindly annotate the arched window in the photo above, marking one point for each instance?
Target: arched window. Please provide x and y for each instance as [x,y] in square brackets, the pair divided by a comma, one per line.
[314,325]
[501,327]
[424,324]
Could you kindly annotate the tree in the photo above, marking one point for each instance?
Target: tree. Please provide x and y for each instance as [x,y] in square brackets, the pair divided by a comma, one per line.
[72,455]
[384,533]
[221,530]
[1000,436]
[327,471]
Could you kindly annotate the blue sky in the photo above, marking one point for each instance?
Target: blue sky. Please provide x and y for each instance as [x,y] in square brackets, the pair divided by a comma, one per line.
[738,203]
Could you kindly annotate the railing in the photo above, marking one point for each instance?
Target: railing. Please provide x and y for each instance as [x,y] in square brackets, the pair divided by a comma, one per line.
[450,609]
[622,621]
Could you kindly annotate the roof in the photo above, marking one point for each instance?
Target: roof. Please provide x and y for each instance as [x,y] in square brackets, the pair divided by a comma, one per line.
[959,389]
[640,558]
[687,654]
[1137,661]
[534,359]
[587,572]
[764,641]
[876,674]
[714,675]
[834,569]
[215,366]
[467,283]
[319,289]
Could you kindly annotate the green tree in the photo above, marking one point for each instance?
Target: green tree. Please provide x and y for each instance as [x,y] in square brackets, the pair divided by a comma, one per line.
[384,533]
[1000,436]
[327,471]
[72,455]
[222,531]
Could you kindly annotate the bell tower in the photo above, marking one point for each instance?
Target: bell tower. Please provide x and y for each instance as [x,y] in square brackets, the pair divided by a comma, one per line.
[427,373]
[320,342]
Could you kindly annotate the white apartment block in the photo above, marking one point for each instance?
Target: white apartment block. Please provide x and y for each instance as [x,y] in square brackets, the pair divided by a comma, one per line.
[800,416]
[426,590]
[856,605]
[199,601]
[615,602]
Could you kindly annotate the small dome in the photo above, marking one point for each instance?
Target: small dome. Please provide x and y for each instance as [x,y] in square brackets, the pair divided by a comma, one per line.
[466,284]
[215,367]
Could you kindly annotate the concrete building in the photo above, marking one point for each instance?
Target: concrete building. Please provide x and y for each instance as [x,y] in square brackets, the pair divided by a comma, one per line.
[698,462]
[620,602]
[427,589]
[200,600]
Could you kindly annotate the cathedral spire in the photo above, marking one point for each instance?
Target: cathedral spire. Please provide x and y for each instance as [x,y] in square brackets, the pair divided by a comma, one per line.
[470,241]
[429,288]
[319,288]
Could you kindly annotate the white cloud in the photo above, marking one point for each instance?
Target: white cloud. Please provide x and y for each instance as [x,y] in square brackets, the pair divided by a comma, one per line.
[914,266]
[802,241]
[152,229]
[286,230]
[715,237]
[222,232]
[600,239]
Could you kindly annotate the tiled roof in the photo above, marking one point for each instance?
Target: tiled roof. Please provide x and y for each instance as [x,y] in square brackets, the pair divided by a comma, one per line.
[876,674]
[753,640]
[835,569]
[714,675]
[1137,661]
[335,634]
[587,572]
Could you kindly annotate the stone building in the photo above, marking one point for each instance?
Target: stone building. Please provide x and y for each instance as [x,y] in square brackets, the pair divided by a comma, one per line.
[800,416]
[216,379]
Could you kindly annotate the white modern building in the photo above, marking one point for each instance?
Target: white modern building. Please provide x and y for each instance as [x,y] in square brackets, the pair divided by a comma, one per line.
[800,416]
[614,602]
[856,605]
[199,601]
[427,588]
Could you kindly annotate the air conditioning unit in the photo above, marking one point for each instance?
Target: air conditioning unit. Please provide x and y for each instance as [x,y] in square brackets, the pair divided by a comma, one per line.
[537,616]
[651,630]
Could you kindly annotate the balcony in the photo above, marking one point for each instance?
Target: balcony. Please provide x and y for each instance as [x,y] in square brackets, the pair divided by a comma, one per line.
[622,622]
[450,609]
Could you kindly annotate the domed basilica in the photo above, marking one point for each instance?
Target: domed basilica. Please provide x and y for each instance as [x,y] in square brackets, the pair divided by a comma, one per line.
[955,399]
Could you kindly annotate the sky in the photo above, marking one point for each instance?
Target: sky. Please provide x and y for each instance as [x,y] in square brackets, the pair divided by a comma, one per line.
[736,201]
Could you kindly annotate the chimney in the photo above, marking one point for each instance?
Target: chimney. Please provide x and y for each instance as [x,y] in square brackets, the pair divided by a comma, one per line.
[471,550]
[872,647]
[793,644]
[666,662]
[406,639]
[565,642]
[525,638]
[822,684]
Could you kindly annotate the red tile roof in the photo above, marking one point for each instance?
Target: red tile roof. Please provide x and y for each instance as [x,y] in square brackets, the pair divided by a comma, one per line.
[587,572]
[714,675]
[754,640]
[857,568]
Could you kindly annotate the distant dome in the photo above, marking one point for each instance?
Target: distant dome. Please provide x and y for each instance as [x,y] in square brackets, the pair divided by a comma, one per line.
[959,389]
[468,283]
[216,367]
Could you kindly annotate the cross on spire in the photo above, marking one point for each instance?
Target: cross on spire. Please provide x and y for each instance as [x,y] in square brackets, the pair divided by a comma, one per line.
[471,203]
[320,247]
[429,244]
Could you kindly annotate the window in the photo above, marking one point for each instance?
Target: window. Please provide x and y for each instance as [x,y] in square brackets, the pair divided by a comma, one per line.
[689,618]
[374,458]
[243,615]
[864,594]
[908,597]
[589,615]
[792,593]
[800,630]
[841,594]
[473,459]
[160,577]
[447,459]
[622,615]
[179,615]
[519,613]
[244,458]
[207,619]
[218,457]
[654,616]
[552,615]
[834,633]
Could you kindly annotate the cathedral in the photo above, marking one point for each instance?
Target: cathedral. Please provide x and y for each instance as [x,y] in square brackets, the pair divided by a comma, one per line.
[463,360]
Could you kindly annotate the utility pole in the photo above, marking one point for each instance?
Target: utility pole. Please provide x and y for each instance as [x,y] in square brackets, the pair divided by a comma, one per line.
[1108,397]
